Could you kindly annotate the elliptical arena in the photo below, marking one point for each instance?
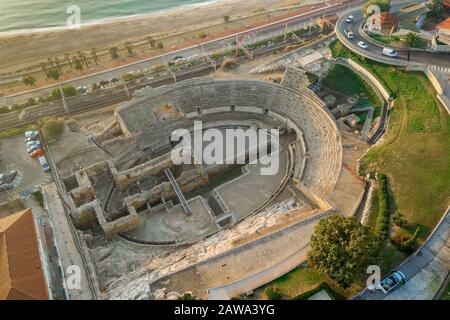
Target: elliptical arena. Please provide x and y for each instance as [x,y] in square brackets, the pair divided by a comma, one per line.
[150,229]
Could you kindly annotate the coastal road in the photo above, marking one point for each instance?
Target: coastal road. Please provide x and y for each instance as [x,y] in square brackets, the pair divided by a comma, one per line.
[375,52]
[217,45]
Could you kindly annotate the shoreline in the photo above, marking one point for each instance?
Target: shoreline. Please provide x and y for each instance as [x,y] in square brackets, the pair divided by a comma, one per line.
[111,20]
[175,27]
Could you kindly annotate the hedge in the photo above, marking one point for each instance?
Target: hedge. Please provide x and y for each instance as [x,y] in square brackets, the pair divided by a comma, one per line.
[384,210]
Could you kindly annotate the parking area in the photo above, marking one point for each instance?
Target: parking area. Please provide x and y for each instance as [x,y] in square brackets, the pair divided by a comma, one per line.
[14,156]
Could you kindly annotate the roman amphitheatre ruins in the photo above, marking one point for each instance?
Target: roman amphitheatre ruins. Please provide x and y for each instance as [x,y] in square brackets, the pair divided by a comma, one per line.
[151,229]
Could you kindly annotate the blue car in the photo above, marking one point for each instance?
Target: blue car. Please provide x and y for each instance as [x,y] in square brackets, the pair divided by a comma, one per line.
[31,134]
[33,143]
[33,148]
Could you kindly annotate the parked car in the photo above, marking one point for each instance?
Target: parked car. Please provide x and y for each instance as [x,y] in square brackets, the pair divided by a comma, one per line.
[37,153]
[31,139]
[177,57]
[82,89]
[44,164]
[31,133]
[9,177]
[33,143]
[33,148]
[393,281]
[349,19]
[390,52]
[114,80]
[6,186]
[103,83]
[363,45]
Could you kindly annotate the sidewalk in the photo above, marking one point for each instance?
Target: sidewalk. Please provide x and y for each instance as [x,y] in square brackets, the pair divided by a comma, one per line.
[66,244]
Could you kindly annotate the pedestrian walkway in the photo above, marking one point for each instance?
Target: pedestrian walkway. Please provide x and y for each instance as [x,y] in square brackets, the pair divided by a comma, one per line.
[68,251]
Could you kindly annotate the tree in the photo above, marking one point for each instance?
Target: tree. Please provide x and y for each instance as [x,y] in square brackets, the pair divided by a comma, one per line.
[54,74]
[399,219]
[129,47]
[160,45]
[411,244]
[342,248]
[113,52]
[151,41]
[67,57]
[437,8]
[82,57]
[44,68]
[95,86]
[412,40]
[78,63]
[384,5]
[273,293]
[202,35]
[53,128]
[187,296]
[58,64]
[226,18]
[94,55]
[29,81]
[68,91]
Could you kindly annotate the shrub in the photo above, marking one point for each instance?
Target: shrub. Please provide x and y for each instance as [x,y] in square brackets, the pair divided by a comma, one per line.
[399,237]
[382,224]
[53,128]
[410,245]
[273,293]
[399,219]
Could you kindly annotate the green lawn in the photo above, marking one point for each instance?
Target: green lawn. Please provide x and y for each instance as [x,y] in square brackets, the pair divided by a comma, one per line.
[416,151]
[301,280]
[344,80]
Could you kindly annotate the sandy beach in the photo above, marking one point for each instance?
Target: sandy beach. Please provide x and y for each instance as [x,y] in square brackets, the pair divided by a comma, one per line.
[26,49]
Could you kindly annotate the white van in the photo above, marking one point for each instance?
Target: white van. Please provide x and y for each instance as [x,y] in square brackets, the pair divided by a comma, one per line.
[349,34]
[390,52]
[44,164]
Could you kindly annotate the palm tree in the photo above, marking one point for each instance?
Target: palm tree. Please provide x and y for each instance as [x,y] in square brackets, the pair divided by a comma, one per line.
[44,68]
[58,64]
[78,63]
[82,57]
[67,57]
[94,55]
[151,41]
[129,47]
[29,81]
[412,40]
[113,52]
[50,62]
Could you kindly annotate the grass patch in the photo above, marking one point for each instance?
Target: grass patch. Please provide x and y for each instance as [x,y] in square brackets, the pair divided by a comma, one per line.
[416,152]
[37,195]
[384,39]
[446,295]
[344,80]
[303,280]
[8,133]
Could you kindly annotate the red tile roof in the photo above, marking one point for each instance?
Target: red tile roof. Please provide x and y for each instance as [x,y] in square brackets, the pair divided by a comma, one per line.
[21,274]
[444,24]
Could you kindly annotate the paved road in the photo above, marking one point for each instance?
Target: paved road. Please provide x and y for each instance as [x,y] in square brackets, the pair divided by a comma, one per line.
[429,58]
[248,36]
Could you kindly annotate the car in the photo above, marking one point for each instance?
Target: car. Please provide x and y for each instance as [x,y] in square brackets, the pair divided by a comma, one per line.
[114,80]
[31,133]
[37,153]
[103,83]
[177,57]
[31,139]
[33,148]
[82,89]
[363,45]
[349,34]
[392,282]
[349,19]
[44,164]
[390,52]
[33,143]
[6,186]
[8,177]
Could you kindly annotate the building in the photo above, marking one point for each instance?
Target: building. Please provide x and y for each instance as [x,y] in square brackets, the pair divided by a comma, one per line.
[443,31]
[21,268]
[387,23]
